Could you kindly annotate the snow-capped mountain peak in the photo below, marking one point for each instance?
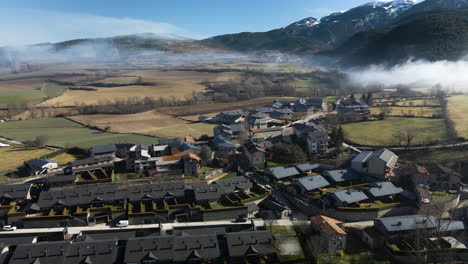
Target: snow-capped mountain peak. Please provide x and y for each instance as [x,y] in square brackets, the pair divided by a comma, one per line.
[393,6]
[307,22]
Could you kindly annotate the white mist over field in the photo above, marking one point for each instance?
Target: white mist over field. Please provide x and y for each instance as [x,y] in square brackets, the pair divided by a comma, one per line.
[420,74]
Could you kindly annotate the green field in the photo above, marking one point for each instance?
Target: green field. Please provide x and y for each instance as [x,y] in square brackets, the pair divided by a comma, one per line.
[34,96]
[447,157]
[384,132]
[458,113]
[65,133]
[14,157]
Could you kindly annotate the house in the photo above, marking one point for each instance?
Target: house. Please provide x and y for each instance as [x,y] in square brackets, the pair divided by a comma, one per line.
[306,184]
[90,164]
[347,198]
[104,251]
[281,173]
[259,120]
[266,133]
[308,105]
[180,147]
[382,189]
[282,114]
[192,164]
[317,142]
[157,192]
[272,209]
[254,155]
[332,236]
[398,226]
[103,151]
[277,104]
[206,193]
[234,184]
[250,246]
[350,109]
[223,131]
[342,177]
[306,168]
[41,166]
[223,147]
[229,117]
[17,193]
[436,176]
[379,164]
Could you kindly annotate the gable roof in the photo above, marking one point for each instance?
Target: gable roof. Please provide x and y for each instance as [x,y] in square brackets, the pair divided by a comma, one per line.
[207,192]
[349,196]
[283,172]
[312,182]
[240,244]
[304,167]
[342,175]
[104,149]
[380,189]
[328,225]
[39,163]
[413,222]
[231,184]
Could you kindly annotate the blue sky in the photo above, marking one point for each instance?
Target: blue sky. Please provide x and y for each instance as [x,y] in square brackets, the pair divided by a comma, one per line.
[36,21]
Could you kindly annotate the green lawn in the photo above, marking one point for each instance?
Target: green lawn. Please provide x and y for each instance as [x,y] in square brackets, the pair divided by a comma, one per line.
[365,257]
[383,132]
[447,157]
[65,133]
[33,96]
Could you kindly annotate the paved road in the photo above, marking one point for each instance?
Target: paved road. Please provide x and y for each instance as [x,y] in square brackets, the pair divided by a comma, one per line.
[164,226]
[439,146]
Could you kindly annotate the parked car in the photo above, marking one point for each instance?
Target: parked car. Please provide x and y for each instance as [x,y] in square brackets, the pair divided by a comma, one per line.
[240,219]
[9,228]
[122,223]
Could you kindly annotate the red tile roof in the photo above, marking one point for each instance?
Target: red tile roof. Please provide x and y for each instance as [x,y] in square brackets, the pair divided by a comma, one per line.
[328,225]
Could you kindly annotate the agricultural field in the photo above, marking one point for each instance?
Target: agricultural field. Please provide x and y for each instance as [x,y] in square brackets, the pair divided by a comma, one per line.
[65,133]
[383,132]
[167,84]
[410,111]
[203,109]
[151,123]
[14,157]
[458,113]
[407,101]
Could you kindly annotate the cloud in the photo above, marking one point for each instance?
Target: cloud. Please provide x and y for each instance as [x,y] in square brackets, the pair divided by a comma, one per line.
[420,73]
[23,27]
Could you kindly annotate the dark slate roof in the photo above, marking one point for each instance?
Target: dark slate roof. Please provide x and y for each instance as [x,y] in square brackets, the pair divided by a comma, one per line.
[349,196]
[232,184]
[207,192]
[273,205]
[61,178]
[90,161]
[241,244]
[233,113]
[157,190]
[434,168]
[342,175]
[380,189]
[264,110]
[188,248]
[253,147]
[39,163]
[312,182]
[237,128]
[304,167]
[222,142]
[13,241]
[172,248]
[81,195]
[199,231]
[104,149]
[413,222]
[106,236]
[15,191]
[283,172]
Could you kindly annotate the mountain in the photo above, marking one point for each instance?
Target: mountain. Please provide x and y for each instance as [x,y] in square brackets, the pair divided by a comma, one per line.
[311,35]
[437,35]
[431,5]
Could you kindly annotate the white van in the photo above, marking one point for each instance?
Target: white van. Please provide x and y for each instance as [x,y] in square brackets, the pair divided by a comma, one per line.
[122,223]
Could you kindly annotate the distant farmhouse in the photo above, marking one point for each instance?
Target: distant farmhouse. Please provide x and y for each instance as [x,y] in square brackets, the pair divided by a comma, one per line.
[350,109]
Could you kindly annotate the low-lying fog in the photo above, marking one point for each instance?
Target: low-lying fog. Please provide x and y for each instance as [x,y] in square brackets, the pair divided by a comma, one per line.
[418,74]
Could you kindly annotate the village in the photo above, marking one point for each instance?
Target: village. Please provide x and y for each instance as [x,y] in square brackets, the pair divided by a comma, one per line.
[262,180]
